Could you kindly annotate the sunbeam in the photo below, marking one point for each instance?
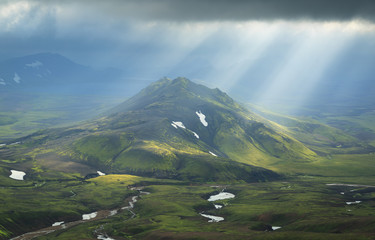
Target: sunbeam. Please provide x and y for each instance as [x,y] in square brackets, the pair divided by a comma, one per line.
[246,44]
[304,67]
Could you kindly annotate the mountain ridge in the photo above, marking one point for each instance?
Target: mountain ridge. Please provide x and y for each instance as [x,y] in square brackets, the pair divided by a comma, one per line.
[53,73]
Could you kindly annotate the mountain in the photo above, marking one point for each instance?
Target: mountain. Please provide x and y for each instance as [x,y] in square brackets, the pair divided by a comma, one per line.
[50,72]
[232,130]
[171,129]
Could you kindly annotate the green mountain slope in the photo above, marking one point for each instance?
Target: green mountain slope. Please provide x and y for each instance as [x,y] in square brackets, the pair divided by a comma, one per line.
[171,129]
[316,135]
[232,129]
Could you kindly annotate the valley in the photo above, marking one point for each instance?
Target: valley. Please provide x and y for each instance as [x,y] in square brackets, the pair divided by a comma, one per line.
[287,177]
[24,113]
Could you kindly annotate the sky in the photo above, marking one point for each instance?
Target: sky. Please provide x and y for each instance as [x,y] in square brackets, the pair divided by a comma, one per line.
[258,50]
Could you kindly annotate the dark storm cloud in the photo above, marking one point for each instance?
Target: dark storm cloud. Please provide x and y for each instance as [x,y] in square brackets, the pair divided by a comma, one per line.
[235,10]
[116,32]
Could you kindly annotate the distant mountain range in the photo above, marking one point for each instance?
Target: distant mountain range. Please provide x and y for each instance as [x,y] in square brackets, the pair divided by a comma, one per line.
[53,73]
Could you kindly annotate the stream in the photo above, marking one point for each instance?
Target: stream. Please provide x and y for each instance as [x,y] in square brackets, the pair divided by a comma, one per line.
[98,215]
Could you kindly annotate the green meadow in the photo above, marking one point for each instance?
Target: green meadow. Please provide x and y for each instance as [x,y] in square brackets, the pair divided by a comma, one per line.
[304,208]
[301,204]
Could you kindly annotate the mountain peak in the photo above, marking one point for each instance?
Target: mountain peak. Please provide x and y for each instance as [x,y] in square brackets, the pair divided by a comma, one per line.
[177,92]
[181,80]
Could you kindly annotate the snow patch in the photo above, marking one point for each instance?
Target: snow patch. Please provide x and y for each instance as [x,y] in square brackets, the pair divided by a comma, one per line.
[2,144]
[213,154]
[221,196]
[195,134]
[100,173]
[35,64]
[275,228]
[212,218]
[342,193]
[16,78]
[89,216]
[57,224]
[217,206]
[113,212]
[350,203]
[179,124]
[17,175]
[104,237]
[202,118]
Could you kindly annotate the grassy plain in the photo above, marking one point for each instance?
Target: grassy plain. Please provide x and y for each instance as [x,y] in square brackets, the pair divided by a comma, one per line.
[304,208]
[300,203]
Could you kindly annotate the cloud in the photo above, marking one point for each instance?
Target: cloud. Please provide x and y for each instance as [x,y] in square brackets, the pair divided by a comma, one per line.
[211,10]
[212,40]
[228,10]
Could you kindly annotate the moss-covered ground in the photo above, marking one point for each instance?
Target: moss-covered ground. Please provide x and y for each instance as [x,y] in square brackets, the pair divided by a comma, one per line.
[304,208]
[303,205]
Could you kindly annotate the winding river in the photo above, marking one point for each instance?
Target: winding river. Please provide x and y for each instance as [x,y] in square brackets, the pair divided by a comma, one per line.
[101,214]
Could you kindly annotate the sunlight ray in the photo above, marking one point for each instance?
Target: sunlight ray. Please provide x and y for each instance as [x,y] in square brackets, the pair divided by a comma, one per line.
[304,67]
[251,40]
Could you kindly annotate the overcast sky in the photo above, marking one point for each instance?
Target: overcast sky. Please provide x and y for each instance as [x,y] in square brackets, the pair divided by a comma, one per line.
[263,45]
